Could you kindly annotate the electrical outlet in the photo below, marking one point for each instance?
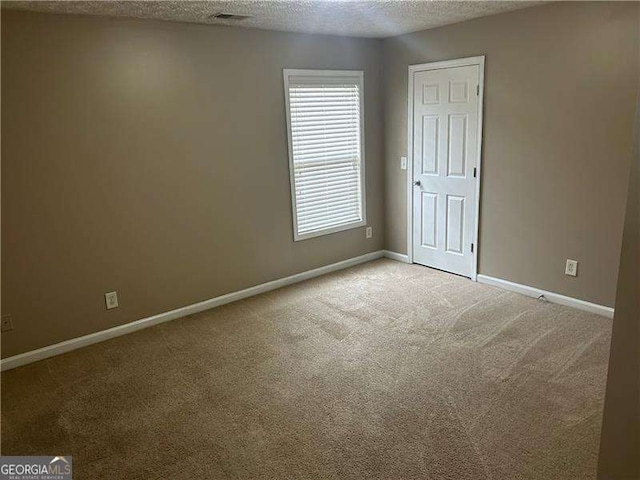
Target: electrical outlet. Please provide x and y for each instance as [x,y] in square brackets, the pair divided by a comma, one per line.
[369,232]
[403,163]
[111,299]
[6,323]
[571,268]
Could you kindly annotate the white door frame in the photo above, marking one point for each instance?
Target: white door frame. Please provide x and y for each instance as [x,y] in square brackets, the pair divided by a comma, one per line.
[460,62]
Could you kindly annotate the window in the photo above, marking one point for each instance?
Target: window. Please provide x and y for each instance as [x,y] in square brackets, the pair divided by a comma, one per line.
[326,150]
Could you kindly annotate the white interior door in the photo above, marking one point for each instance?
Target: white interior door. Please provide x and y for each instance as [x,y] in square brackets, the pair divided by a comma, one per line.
[445,157]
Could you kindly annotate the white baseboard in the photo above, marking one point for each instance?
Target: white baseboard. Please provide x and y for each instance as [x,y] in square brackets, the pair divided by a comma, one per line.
[400,257]
[75,343]
[551,296]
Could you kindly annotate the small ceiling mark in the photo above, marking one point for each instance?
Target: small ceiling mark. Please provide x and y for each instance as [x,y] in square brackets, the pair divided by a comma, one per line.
[228,16]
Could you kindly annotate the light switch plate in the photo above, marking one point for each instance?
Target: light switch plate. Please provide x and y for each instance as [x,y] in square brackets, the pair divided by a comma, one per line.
[111,299]
[403,163]
[571,268]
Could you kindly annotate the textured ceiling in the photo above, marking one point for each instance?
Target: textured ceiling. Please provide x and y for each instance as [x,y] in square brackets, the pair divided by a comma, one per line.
[356,18]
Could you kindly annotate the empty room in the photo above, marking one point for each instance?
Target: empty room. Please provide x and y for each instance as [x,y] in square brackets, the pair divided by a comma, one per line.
[320,239]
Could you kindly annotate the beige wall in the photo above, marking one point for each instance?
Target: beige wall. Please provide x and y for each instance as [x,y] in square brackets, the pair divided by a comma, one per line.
[151,158]
[620,442]
[559,103]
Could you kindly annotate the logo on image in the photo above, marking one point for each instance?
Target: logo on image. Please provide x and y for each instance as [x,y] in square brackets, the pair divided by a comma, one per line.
[36,468]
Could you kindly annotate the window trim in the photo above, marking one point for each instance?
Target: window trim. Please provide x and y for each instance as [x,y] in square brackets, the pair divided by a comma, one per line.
[359,74]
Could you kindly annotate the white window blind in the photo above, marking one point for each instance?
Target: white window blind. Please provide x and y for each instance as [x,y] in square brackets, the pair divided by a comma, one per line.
[326,159]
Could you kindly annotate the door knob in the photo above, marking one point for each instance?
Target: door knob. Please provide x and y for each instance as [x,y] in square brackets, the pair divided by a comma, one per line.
[417,183]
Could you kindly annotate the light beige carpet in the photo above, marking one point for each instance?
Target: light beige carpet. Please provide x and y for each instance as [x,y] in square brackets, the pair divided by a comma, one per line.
[384,371]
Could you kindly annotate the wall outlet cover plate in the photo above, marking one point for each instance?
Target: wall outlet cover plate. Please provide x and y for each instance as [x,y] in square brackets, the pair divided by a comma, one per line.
[571,268]
[6,323]
[111,299]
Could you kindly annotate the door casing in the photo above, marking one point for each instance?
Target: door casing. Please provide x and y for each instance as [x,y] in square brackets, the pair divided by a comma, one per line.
[460,62]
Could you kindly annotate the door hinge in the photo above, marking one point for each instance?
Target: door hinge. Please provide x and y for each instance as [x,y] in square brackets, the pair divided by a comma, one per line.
[478,89]
[475,172]
[472,248]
